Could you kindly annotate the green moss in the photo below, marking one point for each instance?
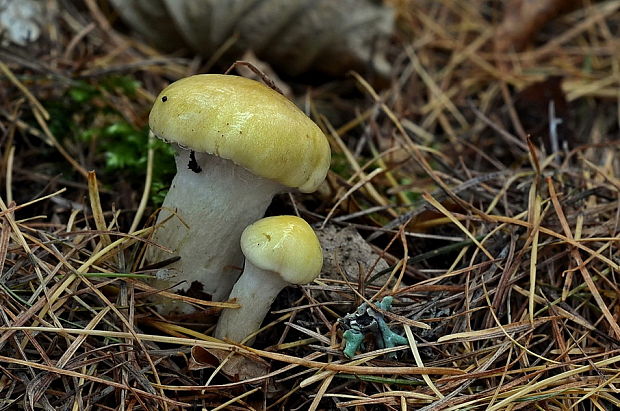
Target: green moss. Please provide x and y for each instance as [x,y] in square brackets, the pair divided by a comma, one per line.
[87,122]
[125,149]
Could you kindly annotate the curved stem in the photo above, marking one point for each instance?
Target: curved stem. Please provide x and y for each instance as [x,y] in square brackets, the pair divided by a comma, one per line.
[254,291]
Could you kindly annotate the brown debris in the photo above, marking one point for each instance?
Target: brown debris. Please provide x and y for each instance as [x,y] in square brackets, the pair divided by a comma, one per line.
[524,18]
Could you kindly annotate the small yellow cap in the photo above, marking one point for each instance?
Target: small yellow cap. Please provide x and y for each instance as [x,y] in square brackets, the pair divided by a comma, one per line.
[246,122]
[286,245]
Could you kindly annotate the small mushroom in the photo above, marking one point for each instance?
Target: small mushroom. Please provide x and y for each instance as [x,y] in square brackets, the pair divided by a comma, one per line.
[279,251]
[238,143]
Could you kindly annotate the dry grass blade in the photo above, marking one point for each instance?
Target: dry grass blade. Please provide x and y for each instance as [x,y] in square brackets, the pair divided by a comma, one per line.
[95,205]
[60,371]
[493,332]
[418,360]
[361,370]
[580,264]
[456,222]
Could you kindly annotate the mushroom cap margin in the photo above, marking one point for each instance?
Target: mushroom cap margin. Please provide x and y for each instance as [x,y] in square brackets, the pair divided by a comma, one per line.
[246,122]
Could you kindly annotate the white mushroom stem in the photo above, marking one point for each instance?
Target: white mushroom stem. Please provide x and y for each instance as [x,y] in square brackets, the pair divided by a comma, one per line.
[254,292]
[213,205]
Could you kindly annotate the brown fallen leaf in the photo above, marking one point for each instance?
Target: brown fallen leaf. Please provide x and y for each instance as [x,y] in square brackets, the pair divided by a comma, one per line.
[293,36]
[524,18]
[150,19]
[536,105]
[238,366]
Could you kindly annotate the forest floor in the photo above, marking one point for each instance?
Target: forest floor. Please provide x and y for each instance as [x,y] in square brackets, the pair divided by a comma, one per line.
[479,186]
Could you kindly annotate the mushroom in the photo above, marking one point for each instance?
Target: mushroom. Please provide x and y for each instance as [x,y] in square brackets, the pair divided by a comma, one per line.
[279,251]
[238,143]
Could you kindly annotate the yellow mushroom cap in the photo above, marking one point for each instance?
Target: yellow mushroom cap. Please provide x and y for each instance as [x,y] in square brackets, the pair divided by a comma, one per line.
[286,245]
[246,122]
